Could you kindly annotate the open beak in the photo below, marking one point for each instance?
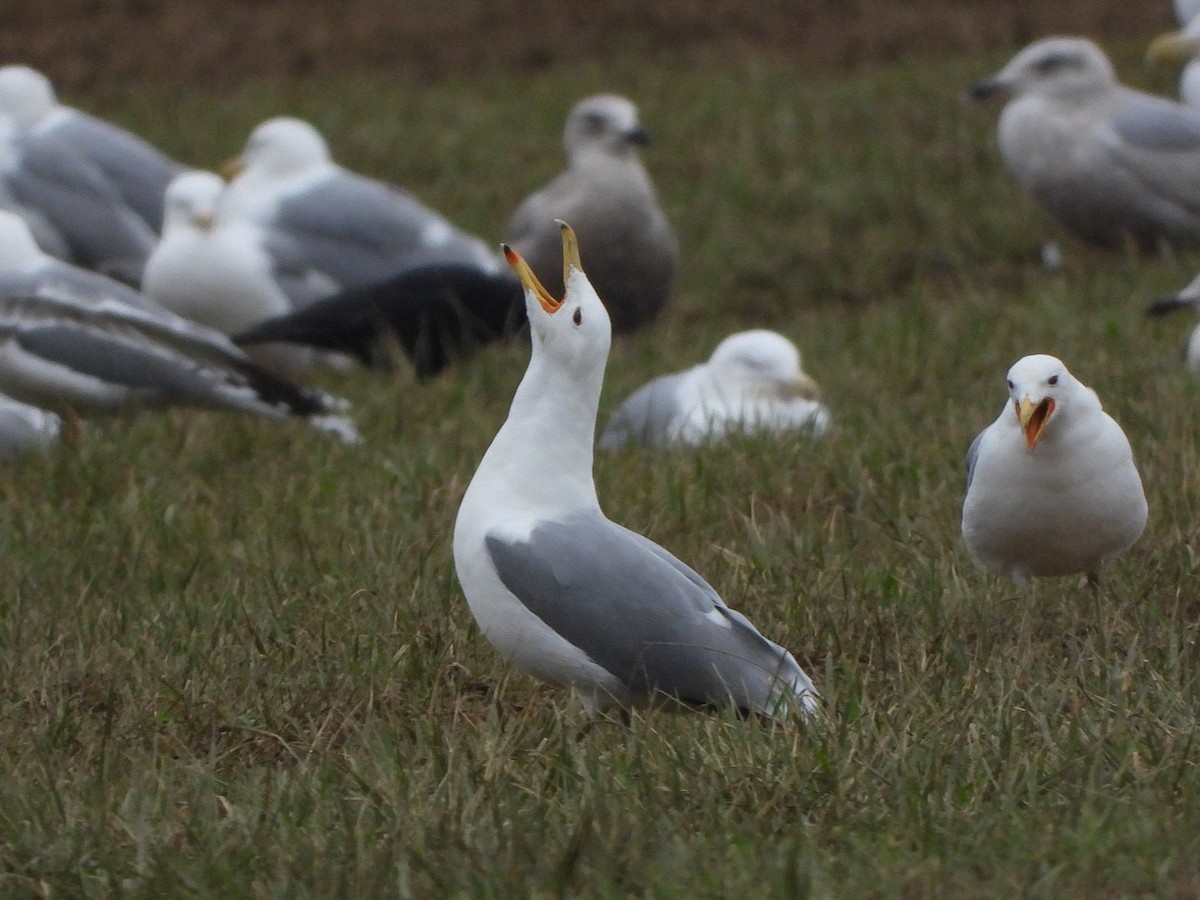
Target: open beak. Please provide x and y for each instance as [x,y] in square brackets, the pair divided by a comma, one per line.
[803,386]
[530,281]
[1174,48]
[1033,418]
[233,168]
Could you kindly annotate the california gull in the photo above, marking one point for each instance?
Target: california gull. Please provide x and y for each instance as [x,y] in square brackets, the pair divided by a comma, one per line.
[74,338]
[753,382]
[564,593]
[1182,48]
[1110,163]
[1052,488]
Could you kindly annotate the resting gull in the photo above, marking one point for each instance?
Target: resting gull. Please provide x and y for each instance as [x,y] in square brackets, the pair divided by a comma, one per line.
[214,269]
[70,337]
[137,170]
[1052,488]
[753,382]
[24,428]
[355,229]
[436,312]
[1110,163]
[564,593]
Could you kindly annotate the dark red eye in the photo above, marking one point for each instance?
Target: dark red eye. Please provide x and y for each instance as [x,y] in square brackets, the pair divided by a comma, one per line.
[1054,379]
[578,317]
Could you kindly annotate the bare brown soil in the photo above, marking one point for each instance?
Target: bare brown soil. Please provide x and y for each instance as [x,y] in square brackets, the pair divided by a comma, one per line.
[86,43]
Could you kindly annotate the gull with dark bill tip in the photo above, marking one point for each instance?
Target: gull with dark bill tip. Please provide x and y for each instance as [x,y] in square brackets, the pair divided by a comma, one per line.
[564,593]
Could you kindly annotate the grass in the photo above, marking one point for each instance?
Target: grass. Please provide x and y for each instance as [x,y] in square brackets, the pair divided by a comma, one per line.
[235,661]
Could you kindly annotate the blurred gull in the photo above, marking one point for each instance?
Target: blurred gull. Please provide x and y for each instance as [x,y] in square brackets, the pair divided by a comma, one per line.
[355,229]
[605,193]
[1110,163]
[216,270]
[24,428]
[138,171]
[1052,488]
[1181,48]
[753,382]
[70,337]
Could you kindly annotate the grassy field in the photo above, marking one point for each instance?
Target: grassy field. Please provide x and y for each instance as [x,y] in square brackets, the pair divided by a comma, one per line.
[235,661]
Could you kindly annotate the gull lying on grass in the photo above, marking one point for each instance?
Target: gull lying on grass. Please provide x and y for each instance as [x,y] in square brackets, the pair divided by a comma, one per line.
[1052,488]
[137,170]
[355,229]
[564,593]
[1109,163]
[753,382]
[70,337]
[24,428]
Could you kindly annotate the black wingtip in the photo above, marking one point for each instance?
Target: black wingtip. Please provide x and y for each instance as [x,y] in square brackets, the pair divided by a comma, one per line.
[1165,305]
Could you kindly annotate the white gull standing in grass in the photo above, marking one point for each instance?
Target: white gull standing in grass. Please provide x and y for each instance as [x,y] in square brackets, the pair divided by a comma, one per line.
[355,229]
[71,337]
[137,170]
[753,382]
[215,269]
[1188,298]
[1052,488]
[24,428]
[1111,164]
[569,596]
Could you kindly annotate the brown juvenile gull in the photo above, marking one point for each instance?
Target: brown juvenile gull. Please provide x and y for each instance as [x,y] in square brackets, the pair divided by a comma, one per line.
[1108,162]
[1052,488]
[629,248]
[564,593]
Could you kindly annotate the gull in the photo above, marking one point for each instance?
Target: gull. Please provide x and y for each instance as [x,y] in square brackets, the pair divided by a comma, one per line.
[753,382]
[629,248]
[1181,48]
[137,170]
[217,270]
[1108,162]
[71,337]
[24,428]
[564,593]
[356,230]
[1052,488]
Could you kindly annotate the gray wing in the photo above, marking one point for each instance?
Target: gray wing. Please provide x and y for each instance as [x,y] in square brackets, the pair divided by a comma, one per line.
[644,616]
[154,355]
[972,455]
[138,170]
[1156,145]
[1153,123]
[302,283]
[361,231]
[646,415]
[72,195]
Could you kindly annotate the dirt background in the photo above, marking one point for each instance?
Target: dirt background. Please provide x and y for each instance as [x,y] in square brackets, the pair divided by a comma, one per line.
[84,44]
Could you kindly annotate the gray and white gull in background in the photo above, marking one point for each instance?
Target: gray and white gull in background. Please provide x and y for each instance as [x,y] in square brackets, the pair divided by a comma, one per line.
[1181,48]
[137,170]
[357,230]
[438,312]
[220,271]
[1052,488]
[74,338]
[564,593]
[1110,163]
[752,383]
